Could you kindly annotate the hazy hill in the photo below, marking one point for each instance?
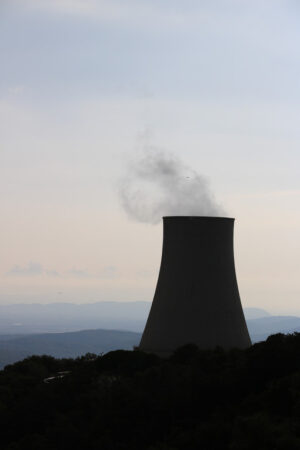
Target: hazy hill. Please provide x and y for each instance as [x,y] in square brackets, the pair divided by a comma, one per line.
[255,313]
[63,317]
[261,328]
[69,345]
[54,328]
[73,344]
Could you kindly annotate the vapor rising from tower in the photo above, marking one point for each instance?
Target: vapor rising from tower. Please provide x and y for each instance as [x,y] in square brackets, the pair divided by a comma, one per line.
[158,184]
[196,298]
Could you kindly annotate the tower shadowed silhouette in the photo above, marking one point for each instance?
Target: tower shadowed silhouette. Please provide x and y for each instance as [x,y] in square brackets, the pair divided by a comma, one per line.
[196,298]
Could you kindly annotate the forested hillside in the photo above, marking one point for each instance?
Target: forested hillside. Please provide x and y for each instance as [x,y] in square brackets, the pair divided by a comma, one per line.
[214,400]
[65,345]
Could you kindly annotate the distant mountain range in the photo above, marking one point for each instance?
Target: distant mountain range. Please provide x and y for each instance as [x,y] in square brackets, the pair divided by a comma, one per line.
[63,317]
[53,329]
[65,345]
[255,313]
[261,328]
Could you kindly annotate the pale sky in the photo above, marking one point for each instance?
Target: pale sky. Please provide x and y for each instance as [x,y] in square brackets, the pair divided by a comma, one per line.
[86,84]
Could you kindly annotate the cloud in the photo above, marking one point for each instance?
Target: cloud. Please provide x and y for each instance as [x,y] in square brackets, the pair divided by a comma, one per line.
[52,273]
[78,273]
[31,269]
[107,272]
[36,269]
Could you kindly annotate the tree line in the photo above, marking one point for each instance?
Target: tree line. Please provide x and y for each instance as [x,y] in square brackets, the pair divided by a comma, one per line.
[195,399]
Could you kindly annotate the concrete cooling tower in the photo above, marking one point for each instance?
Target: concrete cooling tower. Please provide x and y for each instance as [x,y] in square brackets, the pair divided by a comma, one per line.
[196,298]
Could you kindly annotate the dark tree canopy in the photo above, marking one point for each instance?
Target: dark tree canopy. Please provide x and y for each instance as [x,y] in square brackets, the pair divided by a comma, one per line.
[210,400]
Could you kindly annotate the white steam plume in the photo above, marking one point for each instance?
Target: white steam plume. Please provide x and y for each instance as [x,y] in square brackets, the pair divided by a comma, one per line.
[158,184]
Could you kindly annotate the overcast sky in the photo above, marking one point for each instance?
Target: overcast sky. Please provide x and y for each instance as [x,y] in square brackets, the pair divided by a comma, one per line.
[85,85]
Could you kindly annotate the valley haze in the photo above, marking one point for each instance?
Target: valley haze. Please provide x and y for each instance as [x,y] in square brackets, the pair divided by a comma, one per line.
[72,330]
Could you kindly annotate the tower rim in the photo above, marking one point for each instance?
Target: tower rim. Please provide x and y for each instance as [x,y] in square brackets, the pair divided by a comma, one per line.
[185,217]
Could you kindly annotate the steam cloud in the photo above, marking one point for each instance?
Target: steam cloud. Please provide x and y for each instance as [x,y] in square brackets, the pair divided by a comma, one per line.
[158,184]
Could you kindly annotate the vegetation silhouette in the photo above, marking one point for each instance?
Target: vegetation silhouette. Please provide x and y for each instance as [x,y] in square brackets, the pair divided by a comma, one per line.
[196,399]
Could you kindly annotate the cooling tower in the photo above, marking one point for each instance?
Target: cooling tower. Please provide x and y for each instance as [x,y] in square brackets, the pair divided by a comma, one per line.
[196,298]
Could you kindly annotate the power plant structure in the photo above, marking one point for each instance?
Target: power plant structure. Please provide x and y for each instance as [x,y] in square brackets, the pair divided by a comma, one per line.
[196,299]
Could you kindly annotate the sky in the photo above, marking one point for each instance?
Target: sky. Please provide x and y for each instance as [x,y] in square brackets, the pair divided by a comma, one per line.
[87,85]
